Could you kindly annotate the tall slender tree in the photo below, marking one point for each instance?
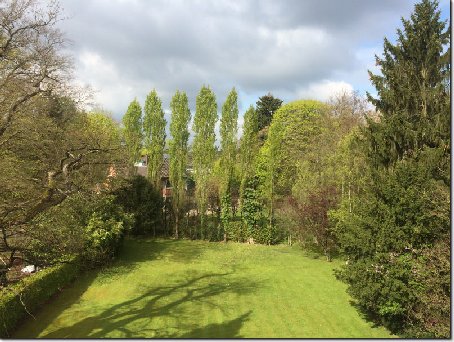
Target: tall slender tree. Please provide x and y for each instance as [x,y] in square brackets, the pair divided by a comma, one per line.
[203,148]
[154,128]
[414,88]
[228,130]
[181,116]
[132,122]
[248,146]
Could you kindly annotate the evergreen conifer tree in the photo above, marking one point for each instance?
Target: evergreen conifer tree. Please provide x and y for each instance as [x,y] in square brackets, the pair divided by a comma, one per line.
[400,214]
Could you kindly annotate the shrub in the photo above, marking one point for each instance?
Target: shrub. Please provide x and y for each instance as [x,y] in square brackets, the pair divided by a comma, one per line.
[105,230]
[33,291]
[141,199]
[237,231]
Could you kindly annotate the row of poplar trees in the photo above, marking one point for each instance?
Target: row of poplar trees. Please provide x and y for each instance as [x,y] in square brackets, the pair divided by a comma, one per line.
[149,131]
[394,225]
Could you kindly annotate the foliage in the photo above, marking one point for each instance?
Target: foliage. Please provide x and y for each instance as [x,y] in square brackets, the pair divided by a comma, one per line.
[203,150]
[267,105]
[58,233]
[432,270]
[399,214]
[19,300]
[40,174]
[248,147]
[105,230]
[139,197]
[154,130]
[314,224]
[236,230]
[132,122]
[32,61]
[90,226]
[414,90]
[291,133]
[228,130]
[403,211]
[178,151]
[226,213]
[252,211]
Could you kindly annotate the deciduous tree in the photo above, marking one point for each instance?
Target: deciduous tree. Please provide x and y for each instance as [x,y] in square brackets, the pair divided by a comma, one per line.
[154,129]
[181,116]
[31,55]
[203,149]
[133,134]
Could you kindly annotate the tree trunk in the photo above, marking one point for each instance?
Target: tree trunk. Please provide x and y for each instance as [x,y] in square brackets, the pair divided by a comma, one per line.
[177,220]
[272,200]
[3,278]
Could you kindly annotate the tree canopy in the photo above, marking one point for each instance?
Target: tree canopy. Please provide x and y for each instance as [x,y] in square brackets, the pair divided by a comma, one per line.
[267,105]
[154,130]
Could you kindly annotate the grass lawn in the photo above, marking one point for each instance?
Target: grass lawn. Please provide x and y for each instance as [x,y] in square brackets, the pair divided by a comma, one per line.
[166,288]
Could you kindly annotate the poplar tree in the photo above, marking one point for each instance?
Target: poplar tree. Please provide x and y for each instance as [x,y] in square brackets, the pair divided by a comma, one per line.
[203,148]
[248,146]
[181,116]
[154,128]
[132,122]
[228,130]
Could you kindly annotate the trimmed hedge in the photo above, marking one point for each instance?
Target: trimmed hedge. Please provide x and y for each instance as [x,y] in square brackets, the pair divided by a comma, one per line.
[33,291]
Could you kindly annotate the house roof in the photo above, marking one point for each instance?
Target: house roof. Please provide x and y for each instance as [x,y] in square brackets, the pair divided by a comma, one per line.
[143,170]
[165,168]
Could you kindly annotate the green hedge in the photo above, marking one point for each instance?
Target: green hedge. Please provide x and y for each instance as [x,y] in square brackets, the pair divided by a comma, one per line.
[33,291]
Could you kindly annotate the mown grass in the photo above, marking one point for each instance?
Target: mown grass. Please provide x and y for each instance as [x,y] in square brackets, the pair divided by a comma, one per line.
[196,289]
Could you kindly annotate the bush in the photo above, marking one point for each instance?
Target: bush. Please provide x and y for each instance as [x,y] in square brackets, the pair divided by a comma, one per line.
[236,230]
[141,199]
[398,269]
[105,230]
[33,291]
[58,233]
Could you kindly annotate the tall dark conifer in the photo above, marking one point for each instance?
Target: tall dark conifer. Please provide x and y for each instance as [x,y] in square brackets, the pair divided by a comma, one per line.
[394,229]
[414,88]
[267,105]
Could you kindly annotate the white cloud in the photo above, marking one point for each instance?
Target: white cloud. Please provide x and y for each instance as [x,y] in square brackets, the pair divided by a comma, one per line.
[324,90]
[290,48]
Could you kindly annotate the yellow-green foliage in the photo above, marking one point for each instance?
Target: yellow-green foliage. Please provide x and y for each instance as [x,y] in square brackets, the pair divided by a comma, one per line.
[292,130]
[32,292]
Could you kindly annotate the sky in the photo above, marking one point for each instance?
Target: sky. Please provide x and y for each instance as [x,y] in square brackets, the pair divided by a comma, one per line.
[295,49]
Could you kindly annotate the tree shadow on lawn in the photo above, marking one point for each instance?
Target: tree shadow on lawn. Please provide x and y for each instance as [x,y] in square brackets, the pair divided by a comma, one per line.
[136,250]
[140,312]
[133,252]
[228,329]
[64,298]
[139,250]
